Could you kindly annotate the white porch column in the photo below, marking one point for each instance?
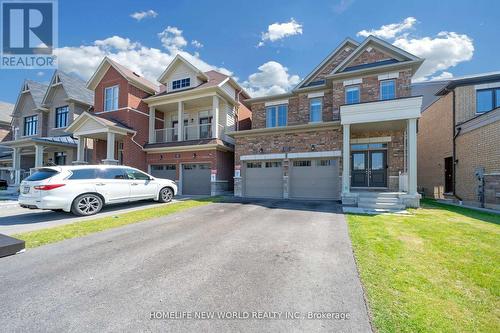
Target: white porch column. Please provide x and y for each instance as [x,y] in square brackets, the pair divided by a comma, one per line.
[38,156]
[215,111]
[346,159]
[110,149]
[412,156]
[80,151]
[180,121]
[152,116]
[16,165]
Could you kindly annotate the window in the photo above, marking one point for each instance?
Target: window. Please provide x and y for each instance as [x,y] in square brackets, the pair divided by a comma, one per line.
[182,83]
[315,109]
[42,174]
[60,158]
[273,164]
[387,89]
[352,95]
[324,163]
[111,98]
[254,165]
[135,174]
[30,125]
[487,100]
[120,152]
[111,173]
[83,174]
[62,116]
[306,163]
[276,115]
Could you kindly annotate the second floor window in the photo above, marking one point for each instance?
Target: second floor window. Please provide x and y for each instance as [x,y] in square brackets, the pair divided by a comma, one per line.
[352,95]
[387,89]
[315,109]
[62,116]
[182,83]
[276,116]
[30,125]
[487,100]
[111,98]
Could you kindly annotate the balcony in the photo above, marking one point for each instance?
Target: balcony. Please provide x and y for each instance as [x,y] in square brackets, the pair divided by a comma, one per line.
[190,132]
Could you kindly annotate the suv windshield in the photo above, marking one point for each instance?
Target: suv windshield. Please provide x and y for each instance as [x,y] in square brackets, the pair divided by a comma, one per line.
[42,174]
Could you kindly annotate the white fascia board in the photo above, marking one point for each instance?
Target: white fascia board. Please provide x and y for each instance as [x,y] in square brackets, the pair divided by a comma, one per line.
[395,109]
[388,76]
[316,94]
[316,154]
[262,157]
[352,82]
[487,85]
[280,102]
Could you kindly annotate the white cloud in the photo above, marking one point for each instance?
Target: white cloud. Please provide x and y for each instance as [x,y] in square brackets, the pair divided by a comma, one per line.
[441,77]
[277,31]
[144,14]
[390,30]
[146,61]
[40,73]
[172,39]
[196,44]
[342,6]
[272,78]
[446,50]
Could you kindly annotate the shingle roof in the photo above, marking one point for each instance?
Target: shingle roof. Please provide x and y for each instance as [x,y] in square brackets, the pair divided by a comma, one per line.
[37,90]
[428,91]
[214,79]
[63,139]
[134,76]
[76,88]
[6,111]
[113,122]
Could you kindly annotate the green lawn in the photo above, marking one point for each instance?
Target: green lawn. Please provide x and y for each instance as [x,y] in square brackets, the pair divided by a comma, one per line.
[436,270]
[79,229]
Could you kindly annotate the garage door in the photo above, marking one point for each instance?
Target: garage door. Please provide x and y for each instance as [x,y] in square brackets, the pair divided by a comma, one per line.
[314,179]
[166,171]
[196,179]
[264,179]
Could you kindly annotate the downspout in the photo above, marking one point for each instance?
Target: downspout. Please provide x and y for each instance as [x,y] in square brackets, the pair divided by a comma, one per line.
[456,133]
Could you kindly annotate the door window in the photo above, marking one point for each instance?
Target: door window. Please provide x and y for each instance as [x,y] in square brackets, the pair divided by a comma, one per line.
[305,163]
[136,174]
[111,173]
[358,161]
[205,127]
[377,161]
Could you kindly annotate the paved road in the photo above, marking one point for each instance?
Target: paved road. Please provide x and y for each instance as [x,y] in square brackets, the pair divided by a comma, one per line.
[14,219]
[253,256]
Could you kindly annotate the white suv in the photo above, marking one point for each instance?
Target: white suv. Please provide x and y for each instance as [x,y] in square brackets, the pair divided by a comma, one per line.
[85,189]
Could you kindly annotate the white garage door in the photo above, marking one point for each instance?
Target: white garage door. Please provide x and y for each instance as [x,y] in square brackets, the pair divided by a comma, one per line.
[314,179]
[165,171]
[264,179]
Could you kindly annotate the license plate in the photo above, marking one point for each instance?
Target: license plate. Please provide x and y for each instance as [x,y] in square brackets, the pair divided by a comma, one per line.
[26,189]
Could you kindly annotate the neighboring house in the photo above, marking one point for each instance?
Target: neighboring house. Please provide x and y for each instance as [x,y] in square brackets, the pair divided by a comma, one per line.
[459,140]
[175,129]
[348,127]
[40,117]
[5,153]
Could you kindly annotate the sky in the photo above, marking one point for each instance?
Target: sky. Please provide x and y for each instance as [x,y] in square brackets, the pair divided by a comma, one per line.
[268,46]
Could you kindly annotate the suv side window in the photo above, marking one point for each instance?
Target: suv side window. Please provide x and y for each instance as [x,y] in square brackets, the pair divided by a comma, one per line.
[83,174]
[111,173]
[134,174]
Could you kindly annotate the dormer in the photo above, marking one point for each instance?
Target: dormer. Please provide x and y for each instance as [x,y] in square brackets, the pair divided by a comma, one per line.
[181,75]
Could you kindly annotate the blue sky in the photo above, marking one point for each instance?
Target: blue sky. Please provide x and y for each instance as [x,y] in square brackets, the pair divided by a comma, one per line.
[457,37]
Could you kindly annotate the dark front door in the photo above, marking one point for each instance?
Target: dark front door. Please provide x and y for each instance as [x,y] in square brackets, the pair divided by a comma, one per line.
[359,169]
[377,174]
[448,175]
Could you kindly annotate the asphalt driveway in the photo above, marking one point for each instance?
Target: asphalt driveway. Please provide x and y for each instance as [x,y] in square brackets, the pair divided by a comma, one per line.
[250,258]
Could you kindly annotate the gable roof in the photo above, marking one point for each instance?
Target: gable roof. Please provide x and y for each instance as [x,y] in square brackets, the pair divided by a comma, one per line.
[180,59]
[131,76]
[470,79]
[86,116]
[37,91]
[399,54]
[6,112]
[74,87]
[345,42]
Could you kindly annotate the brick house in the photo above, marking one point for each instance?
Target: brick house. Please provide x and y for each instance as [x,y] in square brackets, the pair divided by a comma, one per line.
[458,138]
[175,129]
[357,104]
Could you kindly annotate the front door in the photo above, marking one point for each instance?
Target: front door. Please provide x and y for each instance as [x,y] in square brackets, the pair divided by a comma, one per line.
[369,168]
[448,174]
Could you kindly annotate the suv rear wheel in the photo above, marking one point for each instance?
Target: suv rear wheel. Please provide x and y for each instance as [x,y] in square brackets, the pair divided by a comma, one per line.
[166,194]
[87,204]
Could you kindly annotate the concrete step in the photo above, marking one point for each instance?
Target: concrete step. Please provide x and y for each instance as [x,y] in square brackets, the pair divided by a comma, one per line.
[378,195]
[381,205]
[379,199]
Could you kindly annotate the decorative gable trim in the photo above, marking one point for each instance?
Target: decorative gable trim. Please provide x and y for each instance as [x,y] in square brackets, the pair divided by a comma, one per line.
[178,58]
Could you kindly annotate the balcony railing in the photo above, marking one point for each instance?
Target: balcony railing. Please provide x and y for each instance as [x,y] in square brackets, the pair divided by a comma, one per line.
[190,132]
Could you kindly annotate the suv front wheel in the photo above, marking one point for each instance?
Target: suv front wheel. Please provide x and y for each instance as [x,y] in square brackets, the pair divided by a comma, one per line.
[87,204]
[166,194]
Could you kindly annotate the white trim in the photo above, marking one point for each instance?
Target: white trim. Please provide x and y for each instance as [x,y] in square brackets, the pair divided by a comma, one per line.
[352,82]
[262,157]
[372,140]
[315,154]
[388,76]
[273,103]
[316,94]
[487,85]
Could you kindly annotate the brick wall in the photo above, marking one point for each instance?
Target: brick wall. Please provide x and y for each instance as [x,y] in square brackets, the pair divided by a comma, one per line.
[492,190]
[367,57]
[465,103]
[334,62]
[435,143]
[111,78]
[202,156]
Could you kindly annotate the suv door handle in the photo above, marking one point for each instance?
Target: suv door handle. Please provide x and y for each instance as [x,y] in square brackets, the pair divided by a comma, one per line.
[100,184]
[134,184]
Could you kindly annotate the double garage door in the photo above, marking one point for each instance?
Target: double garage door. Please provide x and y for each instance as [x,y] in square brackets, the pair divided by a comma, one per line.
[308,179]
[195,176]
